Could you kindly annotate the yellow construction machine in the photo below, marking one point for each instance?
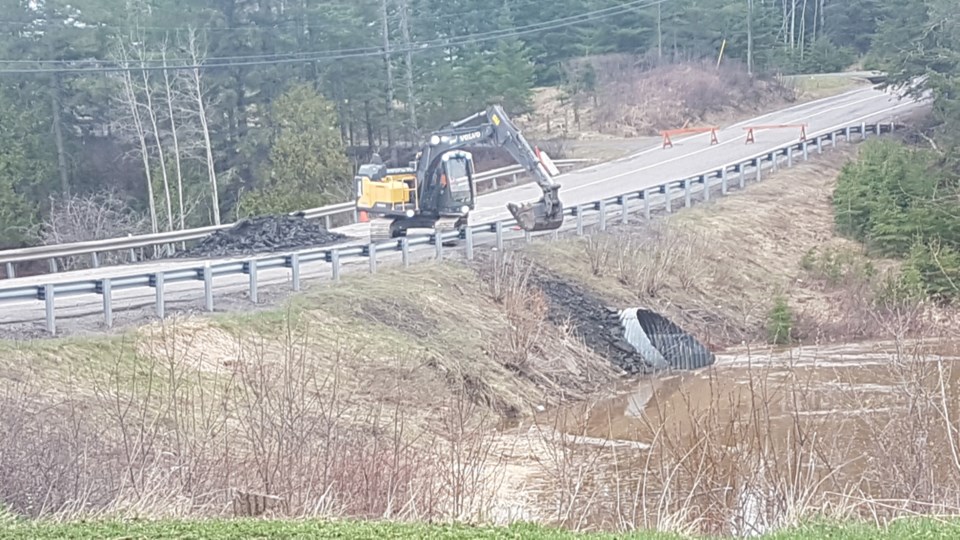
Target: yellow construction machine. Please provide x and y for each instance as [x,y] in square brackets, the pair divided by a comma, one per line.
[438,190]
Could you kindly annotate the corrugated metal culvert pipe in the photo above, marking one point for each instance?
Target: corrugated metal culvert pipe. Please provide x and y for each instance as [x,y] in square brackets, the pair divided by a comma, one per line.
[662,344]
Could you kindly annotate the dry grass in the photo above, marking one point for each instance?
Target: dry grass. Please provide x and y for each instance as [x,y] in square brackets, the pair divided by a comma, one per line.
[378,398]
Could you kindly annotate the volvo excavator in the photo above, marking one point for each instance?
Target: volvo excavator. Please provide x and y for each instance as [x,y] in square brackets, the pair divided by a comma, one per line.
[438,191]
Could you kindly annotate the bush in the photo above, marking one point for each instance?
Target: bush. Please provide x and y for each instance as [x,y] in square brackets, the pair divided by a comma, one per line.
[780,326]
[901,202]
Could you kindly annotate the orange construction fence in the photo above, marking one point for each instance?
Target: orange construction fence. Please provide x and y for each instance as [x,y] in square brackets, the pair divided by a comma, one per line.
[752,139]
[668,142]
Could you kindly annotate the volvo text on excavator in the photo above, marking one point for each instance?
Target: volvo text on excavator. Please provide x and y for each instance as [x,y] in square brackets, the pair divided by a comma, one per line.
[438,190]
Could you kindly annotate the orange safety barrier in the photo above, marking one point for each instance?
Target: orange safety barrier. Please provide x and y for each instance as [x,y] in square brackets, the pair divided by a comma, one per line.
[752,139]
[668,143]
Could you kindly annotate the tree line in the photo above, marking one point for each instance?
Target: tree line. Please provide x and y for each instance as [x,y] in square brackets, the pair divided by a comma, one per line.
[195,112]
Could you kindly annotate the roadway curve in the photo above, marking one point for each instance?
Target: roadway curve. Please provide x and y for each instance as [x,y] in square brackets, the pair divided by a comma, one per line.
[647,168]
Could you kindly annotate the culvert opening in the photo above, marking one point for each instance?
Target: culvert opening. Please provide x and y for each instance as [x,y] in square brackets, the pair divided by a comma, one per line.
[637,340]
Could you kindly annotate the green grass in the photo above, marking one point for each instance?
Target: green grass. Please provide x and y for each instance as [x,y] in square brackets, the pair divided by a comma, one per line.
[216,530]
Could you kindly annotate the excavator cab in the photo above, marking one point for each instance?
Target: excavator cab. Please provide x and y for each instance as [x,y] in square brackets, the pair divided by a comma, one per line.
[458,192]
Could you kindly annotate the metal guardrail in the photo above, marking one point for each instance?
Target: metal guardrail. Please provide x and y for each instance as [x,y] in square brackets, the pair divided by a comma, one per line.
[96,248]
[665,195]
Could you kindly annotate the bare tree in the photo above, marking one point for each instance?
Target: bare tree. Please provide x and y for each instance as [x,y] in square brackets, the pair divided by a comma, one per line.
[168,90]
[130,100]
[196,58]
[141,52]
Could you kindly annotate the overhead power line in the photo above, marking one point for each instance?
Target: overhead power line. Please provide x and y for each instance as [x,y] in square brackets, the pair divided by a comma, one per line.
[341,54]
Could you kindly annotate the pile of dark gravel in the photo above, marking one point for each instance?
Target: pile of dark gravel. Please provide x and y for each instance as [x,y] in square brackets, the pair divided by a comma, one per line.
[264,235]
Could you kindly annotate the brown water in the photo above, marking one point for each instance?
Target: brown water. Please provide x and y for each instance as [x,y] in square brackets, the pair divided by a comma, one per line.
[761,439]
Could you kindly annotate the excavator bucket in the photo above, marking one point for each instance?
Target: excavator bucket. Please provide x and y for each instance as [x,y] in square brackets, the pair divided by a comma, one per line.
[533,217]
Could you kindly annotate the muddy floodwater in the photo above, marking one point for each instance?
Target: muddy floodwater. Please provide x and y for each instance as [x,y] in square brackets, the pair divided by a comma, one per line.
[763,438]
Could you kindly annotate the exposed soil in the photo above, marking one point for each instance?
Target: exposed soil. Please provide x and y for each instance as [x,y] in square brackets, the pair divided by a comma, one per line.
[264,234]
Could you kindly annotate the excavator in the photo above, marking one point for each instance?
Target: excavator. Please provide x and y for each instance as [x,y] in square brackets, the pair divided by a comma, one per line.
[437,191]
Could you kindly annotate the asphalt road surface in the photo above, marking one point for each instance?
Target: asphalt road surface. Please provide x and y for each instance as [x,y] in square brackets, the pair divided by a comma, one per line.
[653,166]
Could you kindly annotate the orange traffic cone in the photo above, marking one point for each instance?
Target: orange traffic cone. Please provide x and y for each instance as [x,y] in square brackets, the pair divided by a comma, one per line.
[363,216]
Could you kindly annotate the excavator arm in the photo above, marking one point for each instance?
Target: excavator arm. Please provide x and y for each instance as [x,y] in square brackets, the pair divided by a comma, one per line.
[494,128]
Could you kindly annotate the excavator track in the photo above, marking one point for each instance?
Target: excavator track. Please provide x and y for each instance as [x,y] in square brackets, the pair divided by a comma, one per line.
[445,225]
[381,229]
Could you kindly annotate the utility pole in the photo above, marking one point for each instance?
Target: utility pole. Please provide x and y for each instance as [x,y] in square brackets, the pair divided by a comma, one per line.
[408,59]
[386,60]
[750,37]
[660,31]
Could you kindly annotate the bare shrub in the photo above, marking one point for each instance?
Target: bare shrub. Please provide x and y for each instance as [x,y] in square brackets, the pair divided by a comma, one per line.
[169,435]
[82,218]
[524,304]
[598,253]
[555,148]
[648,261]
[472,465]
[635,97]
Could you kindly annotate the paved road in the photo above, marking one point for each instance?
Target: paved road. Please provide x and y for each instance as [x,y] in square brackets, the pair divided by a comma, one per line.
[646,168]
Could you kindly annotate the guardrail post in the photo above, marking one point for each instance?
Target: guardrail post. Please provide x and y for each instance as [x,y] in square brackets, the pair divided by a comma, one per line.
[208,287]
[724,181]
[863,131]
[469,239]
[254,290]
[789,157]
[742,172]
[95,260]
[686,193]
[327,222]
[493,182]
[372,257]
[405,251]
[603,215]
[50,309]
[335,265]
[158,285]
[53,266]
[438,243]
[806,151]
[10,273]
[759,170]
[579,221]
[646,204]
[819,145]
[498,227]
[107,291]
[625,205]
[668,198]
[706,188]
[847,134]
[133,255]
[833,139]
[295,271]
[775,161]
[878,129]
